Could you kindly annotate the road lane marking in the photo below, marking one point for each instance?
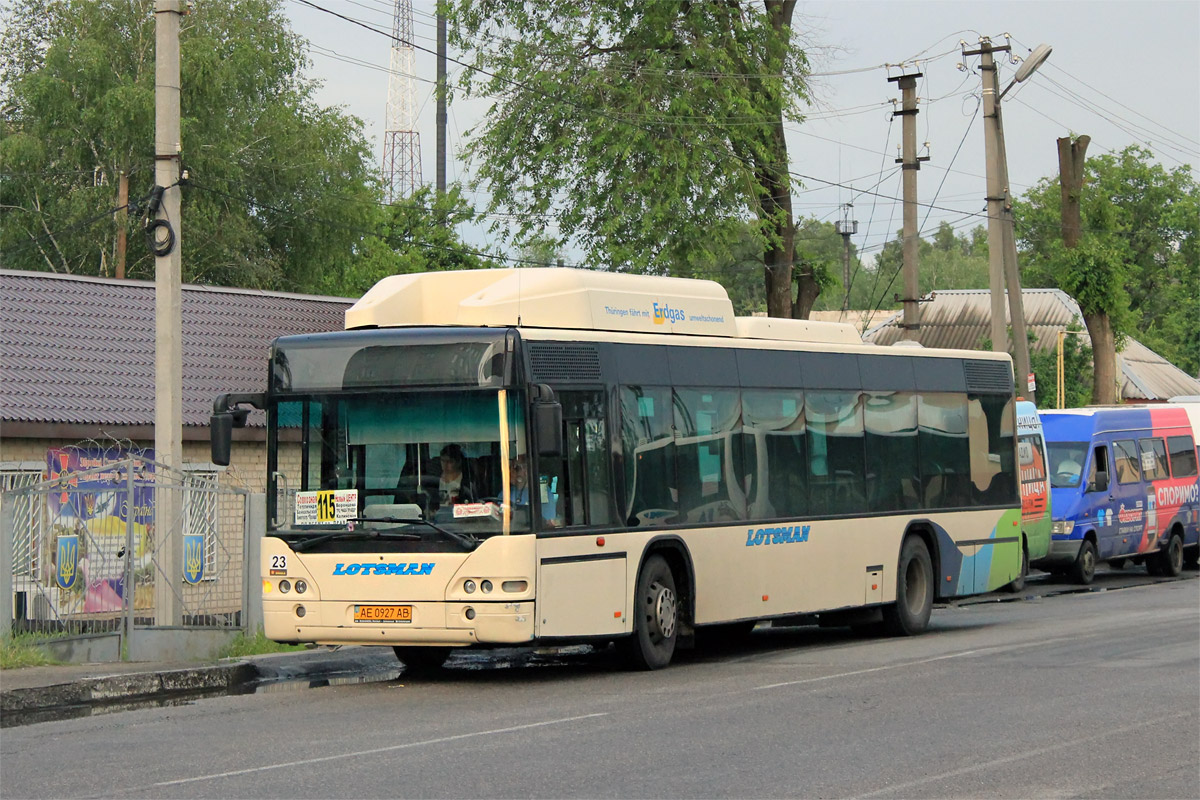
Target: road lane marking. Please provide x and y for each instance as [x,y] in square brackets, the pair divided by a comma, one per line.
[977,651]
[357,753]
[1027,754]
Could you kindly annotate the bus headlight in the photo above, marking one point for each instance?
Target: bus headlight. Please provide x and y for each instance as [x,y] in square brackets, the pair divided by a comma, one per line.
[301,586]
[285,586]
[1062,527]
[469,586]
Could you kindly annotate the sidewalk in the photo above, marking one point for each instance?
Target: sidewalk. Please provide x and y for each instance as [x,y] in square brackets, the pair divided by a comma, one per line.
[32,689]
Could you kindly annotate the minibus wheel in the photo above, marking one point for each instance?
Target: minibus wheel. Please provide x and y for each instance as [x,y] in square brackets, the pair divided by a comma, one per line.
[1191,557]
[1170,558]
[1084,568]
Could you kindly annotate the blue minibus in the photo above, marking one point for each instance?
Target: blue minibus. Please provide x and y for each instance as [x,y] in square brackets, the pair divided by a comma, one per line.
[1123,489]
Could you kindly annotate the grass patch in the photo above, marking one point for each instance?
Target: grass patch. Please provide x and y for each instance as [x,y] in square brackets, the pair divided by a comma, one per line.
[22,650]
[256,645]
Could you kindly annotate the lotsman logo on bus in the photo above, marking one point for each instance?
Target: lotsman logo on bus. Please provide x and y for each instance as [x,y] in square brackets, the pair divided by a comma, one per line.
[786,535]
[664,313]
[1178,495]
[384,569]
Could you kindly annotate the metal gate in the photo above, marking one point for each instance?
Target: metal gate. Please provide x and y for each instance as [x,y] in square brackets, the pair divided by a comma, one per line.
[126,545]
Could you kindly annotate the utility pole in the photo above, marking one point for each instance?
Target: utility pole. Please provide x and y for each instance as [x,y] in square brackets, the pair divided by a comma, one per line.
[1002,247]
[122,222]
[911,163]
[846,227]
[995,196]
[1012,274]
[441,101]
[168,349]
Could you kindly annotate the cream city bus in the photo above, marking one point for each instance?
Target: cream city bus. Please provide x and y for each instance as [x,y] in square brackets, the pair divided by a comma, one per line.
[506,457]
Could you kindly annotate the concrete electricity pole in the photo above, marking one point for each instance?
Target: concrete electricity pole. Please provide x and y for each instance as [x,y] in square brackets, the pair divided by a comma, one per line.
[911,163]
[1002,247]
[166,231]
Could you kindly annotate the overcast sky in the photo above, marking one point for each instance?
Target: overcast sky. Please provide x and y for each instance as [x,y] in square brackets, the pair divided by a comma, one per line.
[1122,72]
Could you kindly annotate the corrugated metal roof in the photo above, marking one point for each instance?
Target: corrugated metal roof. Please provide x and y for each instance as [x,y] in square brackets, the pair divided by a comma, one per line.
[81,350]
[961,318]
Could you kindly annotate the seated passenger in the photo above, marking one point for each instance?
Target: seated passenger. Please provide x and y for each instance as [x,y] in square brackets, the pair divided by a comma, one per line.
[521,491]
[453,485]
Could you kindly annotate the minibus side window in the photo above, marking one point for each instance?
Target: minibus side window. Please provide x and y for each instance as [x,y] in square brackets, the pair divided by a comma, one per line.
[1125,457]
[1154,459]
[1183,456]
[1098,474]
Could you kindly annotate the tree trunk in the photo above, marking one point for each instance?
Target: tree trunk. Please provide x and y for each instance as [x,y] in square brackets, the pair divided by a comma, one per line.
[778,258]
[806,292]
[773,177]
[1104,358]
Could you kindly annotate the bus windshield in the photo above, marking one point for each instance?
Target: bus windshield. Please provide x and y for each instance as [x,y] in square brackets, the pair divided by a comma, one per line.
[389,457]
[1066,463]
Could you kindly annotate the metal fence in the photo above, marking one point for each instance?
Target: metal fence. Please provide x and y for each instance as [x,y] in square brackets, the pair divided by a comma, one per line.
[129,544]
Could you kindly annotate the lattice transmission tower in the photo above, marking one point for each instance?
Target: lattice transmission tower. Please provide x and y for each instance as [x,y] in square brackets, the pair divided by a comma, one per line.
[401,142]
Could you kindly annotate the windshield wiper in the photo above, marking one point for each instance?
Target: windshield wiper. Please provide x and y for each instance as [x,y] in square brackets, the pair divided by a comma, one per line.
[308,544]
[468,542]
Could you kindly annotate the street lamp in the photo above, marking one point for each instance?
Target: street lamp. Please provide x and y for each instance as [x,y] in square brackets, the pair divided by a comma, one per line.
[1002,246]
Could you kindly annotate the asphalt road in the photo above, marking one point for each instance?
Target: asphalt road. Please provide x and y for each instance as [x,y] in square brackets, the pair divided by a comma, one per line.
[1092,694]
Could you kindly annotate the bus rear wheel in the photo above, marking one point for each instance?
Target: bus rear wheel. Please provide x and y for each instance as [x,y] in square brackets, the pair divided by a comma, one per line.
[655,617]
[1018,584]
[909,615]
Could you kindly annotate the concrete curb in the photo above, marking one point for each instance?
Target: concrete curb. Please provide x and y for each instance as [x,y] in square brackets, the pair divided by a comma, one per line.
[133,686]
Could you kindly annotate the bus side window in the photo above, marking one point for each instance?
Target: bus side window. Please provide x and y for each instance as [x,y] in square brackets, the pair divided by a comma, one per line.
[1098,474]
[579,484]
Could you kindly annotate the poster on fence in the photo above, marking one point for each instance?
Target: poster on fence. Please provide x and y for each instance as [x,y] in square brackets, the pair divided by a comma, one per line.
[89,514]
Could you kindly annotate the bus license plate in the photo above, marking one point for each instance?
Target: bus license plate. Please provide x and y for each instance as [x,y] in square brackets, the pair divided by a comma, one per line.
[383,613]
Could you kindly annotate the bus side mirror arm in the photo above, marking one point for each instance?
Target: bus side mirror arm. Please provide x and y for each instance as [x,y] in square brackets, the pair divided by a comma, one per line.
[225,417]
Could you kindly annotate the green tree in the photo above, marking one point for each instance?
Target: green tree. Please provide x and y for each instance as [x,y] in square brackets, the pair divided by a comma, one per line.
[264,158]
[417,234]
[951,260]
[1136,270]
[1077,371]
[651,131]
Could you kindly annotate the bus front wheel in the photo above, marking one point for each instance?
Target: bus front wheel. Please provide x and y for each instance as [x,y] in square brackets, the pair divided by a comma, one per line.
[914,590]
[421,660]
[655,617]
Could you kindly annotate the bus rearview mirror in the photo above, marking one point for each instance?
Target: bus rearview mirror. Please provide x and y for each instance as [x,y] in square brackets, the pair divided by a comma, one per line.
[221,437]
[547,422]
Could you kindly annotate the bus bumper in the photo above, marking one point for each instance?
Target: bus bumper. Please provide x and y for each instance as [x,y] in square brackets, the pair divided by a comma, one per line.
[455,624]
